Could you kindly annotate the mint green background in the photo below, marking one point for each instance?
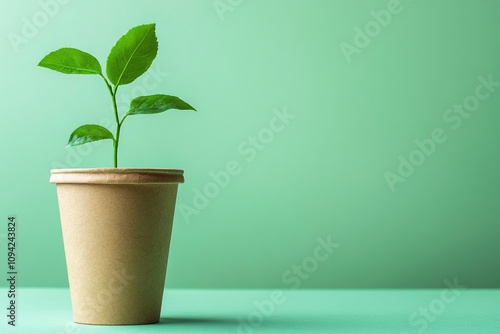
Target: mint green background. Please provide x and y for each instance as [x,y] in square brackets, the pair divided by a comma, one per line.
[322,175]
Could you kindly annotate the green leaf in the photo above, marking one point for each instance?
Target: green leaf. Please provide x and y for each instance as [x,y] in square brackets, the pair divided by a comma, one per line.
[89,133]
[132,55]
[71,61]
[154,104]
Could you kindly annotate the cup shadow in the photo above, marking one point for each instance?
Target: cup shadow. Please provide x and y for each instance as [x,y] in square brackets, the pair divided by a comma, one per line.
[313,323]
[197,321]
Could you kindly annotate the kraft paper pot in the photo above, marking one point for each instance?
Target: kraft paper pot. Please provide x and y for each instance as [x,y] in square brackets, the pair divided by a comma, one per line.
[116,225]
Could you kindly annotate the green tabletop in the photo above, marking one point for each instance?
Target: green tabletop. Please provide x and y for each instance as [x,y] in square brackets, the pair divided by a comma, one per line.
[48,311]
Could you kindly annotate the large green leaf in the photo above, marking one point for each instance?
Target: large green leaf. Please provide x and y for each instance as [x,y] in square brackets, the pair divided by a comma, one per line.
[154,104]
[132,55]
[71,61]
[89,133]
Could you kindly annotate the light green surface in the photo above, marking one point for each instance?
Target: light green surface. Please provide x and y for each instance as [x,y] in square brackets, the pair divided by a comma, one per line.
[323,174]
[47,311]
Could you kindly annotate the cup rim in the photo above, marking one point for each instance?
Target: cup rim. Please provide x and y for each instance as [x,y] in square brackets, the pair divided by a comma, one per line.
[116,175]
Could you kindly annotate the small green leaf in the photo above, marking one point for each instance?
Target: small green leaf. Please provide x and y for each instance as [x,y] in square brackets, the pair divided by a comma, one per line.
[154,104]
[132,55]
[71,61]
[89,133]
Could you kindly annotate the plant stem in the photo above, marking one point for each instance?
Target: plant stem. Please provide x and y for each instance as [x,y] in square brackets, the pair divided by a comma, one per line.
[118,123]
[118,126]
[117,138]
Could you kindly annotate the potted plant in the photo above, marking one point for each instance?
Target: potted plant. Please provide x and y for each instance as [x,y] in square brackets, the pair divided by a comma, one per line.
[116,222]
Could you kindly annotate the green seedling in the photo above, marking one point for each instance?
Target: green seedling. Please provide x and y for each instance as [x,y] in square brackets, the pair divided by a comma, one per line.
[130,58]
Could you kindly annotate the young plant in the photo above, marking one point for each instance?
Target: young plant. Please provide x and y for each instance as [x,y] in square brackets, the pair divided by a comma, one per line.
[131,57]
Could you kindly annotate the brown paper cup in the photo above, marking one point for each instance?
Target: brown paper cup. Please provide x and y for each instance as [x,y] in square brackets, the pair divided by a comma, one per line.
[116,225]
